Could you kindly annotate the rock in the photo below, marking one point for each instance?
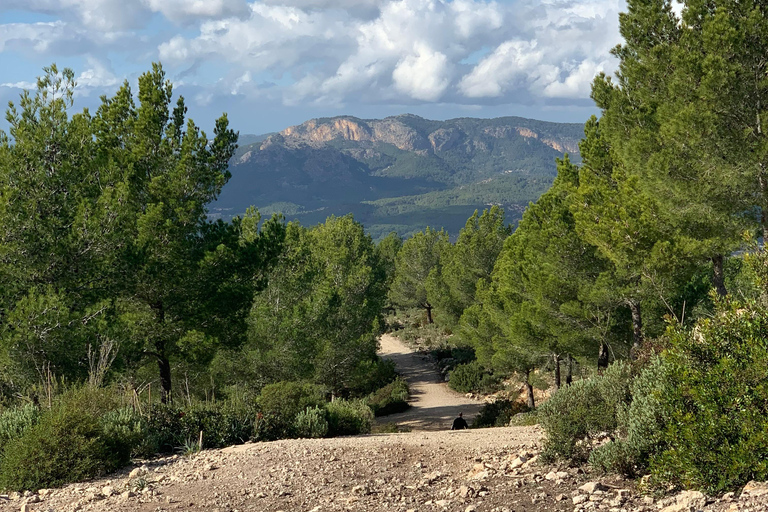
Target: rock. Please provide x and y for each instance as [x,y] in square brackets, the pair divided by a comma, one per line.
[581,498]
[754,489]
[443,503]
[127,494]
[108,491]
[591,487]
[518,462]
[687,501]
[137,472]
[470,508]
[464,491]
[432,477]
[26,507]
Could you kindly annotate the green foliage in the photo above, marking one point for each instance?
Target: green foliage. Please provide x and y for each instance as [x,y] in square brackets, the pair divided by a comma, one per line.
[576,414]
[67,444]
[640,424]
[390,399]
[311,423]
[317,318]
[281,402]
[371,375]
[714,436]
[451,286]
[472,378]
[419,256]
[348,417]
[498,413]
[15,421]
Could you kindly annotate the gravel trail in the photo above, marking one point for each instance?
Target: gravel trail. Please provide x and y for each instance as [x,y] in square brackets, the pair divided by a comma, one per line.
[433,404]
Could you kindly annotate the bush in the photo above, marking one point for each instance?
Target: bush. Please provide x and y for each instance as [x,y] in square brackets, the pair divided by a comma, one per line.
[714,410]
[498,413]
[371,375]
[390,399]
[472,378]
[125,427]
[14,422]
[577,413]
[640,425]
[67,444]
[311,423]
[279,404]
[348,418]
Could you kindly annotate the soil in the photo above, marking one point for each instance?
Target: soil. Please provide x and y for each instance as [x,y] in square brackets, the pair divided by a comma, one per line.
[433,404]
[428,469]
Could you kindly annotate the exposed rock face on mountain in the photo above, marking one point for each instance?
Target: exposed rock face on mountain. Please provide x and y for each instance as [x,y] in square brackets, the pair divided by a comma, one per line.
[399,173]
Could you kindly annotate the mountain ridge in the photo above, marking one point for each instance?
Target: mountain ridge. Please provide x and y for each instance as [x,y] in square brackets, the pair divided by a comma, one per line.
[436,170]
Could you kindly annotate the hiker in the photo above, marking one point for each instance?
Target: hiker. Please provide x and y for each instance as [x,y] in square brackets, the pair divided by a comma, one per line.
[459,423]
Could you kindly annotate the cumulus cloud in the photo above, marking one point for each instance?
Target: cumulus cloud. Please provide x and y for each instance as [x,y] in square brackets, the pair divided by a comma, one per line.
[336,52]
[190,10]
[423,76]
[417,50]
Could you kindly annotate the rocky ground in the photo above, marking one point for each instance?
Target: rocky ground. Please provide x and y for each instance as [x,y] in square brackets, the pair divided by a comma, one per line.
[489,470]
[484,470]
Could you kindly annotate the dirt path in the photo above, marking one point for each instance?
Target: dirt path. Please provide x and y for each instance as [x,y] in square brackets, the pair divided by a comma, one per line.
[433,404]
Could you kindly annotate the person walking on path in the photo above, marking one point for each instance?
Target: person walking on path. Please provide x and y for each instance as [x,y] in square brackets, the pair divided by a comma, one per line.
[459,423]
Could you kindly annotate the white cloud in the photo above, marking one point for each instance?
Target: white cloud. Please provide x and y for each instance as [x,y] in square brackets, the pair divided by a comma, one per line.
[335,52]
[423,76]
[190,10]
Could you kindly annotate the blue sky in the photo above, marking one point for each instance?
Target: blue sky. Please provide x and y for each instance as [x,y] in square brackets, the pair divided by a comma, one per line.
[273,63]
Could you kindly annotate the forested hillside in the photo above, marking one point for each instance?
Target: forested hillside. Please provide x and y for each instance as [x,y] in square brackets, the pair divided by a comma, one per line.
[397,174]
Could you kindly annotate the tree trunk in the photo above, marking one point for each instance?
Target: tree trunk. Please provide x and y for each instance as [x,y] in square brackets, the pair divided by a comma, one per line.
[428,307]
[165,379]
[718,279]
[569,371]
[529,390]
[163,364]
[602,358]
[556,360]
[637,327]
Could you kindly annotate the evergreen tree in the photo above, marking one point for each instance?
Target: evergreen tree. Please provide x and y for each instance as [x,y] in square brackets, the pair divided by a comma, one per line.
[471,258]
[420,255]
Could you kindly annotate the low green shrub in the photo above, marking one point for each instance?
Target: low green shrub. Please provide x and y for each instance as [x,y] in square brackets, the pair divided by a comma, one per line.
[715,435]
[472,378]
[640,424]
[371,375]
[348,418]
[15,421]
[311,423]
[390,399]
[577,413]
[67,444]
[279,404]
[498,413]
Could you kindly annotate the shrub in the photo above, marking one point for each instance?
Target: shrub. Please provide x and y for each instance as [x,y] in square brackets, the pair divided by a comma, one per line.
[577,413]
[14,422]
[164,431]
[640,425]
[498,413]
[124,427]
[472,377]
[311,423]
[279,403]
[67,444]
[371,375]
[348,418]
[390,399]
[716,429]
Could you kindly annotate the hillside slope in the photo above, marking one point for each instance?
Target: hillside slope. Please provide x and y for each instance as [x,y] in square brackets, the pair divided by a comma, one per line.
[400,173]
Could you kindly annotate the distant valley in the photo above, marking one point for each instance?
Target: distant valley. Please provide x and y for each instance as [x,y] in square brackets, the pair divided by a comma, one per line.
[400,173]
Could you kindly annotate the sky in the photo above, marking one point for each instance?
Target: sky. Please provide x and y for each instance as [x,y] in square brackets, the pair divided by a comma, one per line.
[270,64]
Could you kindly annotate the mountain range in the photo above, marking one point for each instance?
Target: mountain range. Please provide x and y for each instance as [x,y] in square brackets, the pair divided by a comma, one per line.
[400,173]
